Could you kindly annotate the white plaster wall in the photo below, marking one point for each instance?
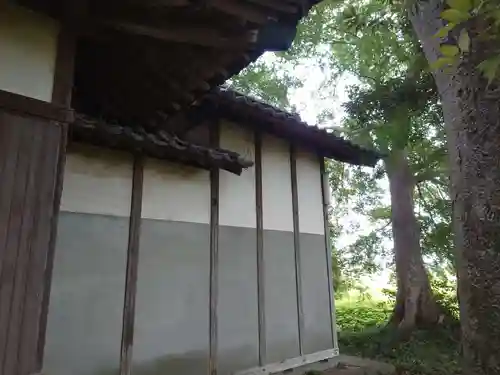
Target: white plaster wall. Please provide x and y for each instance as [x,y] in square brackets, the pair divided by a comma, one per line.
[237,193]
[276,185]
[28,46]
[175,192]
[309,194]
[97,181]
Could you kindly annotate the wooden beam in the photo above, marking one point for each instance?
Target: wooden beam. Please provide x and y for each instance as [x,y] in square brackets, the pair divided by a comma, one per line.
[278,5]
[260,250]
[162,3]
[283,367]
[235,8]
[296,242]
[214,254]
[22,104]
[197,36]
[64,73]
[132,266]
[247,12]
[61,95]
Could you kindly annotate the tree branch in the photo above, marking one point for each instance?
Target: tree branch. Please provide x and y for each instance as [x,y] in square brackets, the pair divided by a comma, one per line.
[429,175]
[386,225]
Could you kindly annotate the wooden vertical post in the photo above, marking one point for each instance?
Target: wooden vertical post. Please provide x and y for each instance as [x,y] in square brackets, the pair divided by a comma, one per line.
[296,242]
[214,253]
[134,235]
[260,248]
[325,192]
[61,95]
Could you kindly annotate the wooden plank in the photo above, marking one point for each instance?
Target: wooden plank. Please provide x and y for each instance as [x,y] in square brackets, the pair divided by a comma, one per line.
[259,12]
[278,5]
[292,363]
[8,155]
[260,249]
[328,248]
[25,249]
[196,36]
[296,242]
[214,253]
[4,146]
[61,96]
[245,11]
[34,107]
[26,212]
[38,288]
[14,234]
[132,266]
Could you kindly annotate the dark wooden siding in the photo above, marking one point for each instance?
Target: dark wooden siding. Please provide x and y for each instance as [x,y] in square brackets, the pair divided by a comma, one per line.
[30,150]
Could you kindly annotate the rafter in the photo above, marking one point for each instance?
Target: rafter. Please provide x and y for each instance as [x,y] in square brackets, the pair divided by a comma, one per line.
[199,36]
[244,10]
[278,5]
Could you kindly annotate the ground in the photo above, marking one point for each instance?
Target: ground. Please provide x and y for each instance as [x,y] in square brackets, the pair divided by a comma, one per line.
[363,333]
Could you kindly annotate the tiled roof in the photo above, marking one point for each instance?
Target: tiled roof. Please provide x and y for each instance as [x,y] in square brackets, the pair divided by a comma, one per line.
[160,145]
[257,114]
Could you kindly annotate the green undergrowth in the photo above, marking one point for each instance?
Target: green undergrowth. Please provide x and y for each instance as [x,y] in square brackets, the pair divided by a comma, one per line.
[363,332]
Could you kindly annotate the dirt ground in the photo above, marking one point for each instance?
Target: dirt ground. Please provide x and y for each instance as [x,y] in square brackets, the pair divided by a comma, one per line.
[348,365]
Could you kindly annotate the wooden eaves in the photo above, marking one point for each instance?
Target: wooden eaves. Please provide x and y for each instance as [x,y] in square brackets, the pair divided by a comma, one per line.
[160,145]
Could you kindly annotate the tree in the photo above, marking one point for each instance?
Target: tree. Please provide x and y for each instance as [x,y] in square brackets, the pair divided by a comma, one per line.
[394,115]
[393,107]
[471,108]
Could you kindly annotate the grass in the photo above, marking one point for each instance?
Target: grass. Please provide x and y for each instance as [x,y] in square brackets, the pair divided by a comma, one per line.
[363,332]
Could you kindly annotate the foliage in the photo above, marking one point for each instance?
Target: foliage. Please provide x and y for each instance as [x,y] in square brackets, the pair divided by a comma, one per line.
[445,291]
[423,353]
[393,104]
[265,82]
[394,107]
[359,315]
[461,17]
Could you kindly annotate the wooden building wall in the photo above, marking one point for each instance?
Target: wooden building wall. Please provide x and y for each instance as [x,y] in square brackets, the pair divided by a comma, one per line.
[33,123]
[88,284]
[215,270]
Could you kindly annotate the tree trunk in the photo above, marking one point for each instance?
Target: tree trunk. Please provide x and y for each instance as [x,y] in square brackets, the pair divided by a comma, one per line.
[415,305]
[472,115]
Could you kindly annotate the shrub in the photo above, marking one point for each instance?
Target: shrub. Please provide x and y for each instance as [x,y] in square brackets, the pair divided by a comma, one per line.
[360,316]
[364,333]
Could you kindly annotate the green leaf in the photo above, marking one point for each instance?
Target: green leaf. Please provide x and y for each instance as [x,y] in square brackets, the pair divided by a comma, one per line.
[490,68]
[449,50]
[464,41]
[442,62]
[460,5]
[455,16]
[477,3]
[443,32]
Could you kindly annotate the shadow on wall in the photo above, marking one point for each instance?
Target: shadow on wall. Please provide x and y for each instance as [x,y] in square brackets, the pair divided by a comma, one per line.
[192,363]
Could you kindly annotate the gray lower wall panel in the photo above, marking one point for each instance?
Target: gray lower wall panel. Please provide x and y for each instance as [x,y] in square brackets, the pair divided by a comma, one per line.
[282,336]
[172,305]
[237,312]
[86,302]
[317,334]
